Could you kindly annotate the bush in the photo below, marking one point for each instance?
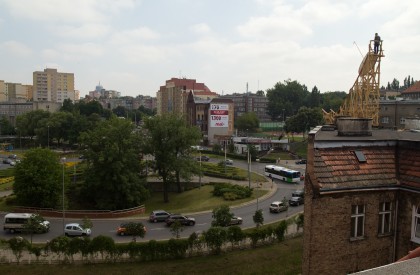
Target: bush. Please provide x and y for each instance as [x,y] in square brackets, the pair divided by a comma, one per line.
[231,191]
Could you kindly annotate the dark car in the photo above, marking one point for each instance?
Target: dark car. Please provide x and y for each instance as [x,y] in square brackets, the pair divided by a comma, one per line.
[296,201]
[203,158]
[235,220]
[298,193]
[122,229]
[159,216]
[301,161]
[184,220]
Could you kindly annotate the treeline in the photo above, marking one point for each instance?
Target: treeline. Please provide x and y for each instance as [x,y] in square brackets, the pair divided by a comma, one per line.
[394,85]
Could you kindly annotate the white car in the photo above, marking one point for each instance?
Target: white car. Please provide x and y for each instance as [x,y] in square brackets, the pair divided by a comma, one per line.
[75,229]
[229,162]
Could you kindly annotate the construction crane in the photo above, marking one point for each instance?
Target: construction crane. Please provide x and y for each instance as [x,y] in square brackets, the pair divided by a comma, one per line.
[363,98]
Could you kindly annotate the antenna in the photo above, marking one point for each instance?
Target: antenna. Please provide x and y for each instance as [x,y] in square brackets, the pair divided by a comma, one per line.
[354,42]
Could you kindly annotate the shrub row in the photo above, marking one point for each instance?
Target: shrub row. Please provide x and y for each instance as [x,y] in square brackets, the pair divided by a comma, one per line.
[105,249]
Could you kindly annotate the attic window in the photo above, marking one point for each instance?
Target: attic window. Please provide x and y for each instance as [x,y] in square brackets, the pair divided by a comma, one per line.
[360,156]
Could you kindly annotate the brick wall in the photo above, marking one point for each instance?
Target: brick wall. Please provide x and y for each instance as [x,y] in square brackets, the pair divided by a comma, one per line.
[328,248]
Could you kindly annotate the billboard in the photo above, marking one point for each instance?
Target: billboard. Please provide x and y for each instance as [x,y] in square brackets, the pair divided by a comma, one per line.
[219,115]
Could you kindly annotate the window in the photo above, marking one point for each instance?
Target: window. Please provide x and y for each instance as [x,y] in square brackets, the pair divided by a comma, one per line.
[385,120]
[402,120]
[415,230]
[357,221]
[385,210]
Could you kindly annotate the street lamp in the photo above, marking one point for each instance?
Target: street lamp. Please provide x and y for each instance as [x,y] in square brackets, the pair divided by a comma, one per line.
[48,139]
[200,169]
[63,161]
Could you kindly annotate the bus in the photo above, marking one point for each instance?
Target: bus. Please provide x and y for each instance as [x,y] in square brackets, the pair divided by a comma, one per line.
[282,173]
[15,222]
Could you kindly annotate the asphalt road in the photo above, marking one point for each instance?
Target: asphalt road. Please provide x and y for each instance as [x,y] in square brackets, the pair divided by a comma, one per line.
[159,231]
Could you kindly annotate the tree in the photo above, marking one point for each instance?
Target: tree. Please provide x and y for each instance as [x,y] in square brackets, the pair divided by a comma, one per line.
[287,96]
[35,224]
[304,120]
[30,121]
[112,176]
[38,179]
[6,128]
[299,221]
[18,245]
[176,229]
[136,229]
[332,100]
[258,218]
[120,111]
[247,121]
[215,237]
[315,98]
[169,140]
[221,216]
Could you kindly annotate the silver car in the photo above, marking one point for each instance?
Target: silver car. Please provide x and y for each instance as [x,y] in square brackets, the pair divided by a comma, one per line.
[75,229]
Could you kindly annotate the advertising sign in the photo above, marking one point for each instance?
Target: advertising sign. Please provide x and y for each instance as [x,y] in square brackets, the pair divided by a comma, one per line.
[219,115]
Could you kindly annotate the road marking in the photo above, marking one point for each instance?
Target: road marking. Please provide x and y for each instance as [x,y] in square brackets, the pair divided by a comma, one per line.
[159,228]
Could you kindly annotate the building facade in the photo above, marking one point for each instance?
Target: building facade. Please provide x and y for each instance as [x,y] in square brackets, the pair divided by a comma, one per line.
[13,91]
[412,92]
[362,197]
[11,110]
[249,102]
[173,96]
[393,113]
[50,85]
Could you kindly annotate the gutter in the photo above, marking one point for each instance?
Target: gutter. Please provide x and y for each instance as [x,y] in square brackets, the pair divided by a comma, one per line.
[325,191]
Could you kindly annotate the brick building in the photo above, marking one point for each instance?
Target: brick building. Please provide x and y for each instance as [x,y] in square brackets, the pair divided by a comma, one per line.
[362,197]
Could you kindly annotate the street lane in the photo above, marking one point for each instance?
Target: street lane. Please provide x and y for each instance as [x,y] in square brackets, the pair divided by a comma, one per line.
[159,231]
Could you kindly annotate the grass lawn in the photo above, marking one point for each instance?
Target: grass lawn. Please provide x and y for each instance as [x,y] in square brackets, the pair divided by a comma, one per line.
[279,258]
[6,186]
[198,199]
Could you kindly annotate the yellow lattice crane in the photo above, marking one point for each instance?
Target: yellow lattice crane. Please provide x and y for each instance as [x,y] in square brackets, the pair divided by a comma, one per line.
[363,98]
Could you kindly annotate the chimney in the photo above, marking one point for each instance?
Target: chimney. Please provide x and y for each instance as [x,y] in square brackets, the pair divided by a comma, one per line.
[352,126]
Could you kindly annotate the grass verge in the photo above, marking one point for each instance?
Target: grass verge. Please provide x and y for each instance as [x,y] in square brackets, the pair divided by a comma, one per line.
[196,200]
[280,258]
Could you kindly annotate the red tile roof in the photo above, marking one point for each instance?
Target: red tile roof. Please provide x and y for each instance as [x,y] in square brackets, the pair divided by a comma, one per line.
[415,88]
[340,168]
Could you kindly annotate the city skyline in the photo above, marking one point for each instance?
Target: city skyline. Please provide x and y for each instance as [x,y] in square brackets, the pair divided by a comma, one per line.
[134,46]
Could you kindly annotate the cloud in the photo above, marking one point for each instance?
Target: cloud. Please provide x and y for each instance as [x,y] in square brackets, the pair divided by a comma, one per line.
[74,52]
[134,35]
[67,10]
[16,48]
[145,53]
[201,28]
[87,31]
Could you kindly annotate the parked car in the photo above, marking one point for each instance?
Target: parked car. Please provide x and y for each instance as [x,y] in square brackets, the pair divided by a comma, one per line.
[12,156]
[229,162]
[159,216]
[278,206]
[7,161]
[298,193]
[295,201]
[184,220]
[12,163]
[122,229]
[203,158]
[75,229]
[301,161]
[236,220]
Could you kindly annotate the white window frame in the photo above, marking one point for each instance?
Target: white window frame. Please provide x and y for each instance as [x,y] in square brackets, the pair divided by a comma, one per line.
[356,218]
[415,225]
[385,218]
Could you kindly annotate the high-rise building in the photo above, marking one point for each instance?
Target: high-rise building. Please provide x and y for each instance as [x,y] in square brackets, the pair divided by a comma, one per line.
[54,86]
[172,98]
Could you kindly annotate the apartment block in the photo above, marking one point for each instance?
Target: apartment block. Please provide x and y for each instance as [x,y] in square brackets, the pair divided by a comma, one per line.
[13,91]
[50,85]
[249,102]
[173,96]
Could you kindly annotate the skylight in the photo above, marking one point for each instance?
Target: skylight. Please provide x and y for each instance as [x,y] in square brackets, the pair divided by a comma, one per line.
[360,156]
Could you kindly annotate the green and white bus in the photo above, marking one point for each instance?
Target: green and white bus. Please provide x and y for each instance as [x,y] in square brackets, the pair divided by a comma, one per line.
[282,173]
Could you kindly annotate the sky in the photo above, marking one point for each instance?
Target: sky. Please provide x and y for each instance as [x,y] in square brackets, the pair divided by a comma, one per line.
[134,46]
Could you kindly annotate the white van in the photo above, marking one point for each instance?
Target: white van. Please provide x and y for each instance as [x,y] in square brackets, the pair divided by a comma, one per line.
[14,222]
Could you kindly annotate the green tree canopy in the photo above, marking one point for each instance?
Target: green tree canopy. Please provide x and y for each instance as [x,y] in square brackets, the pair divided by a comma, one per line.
[112,176]
[221,216]
[27,123]
[38,179]
[247,121]
[169,140]
[285,98]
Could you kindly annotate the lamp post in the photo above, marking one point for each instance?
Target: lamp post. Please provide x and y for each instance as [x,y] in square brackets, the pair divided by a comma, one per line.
[225,156]
[63,161]
[200,171]
[249,160]
[48,138]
